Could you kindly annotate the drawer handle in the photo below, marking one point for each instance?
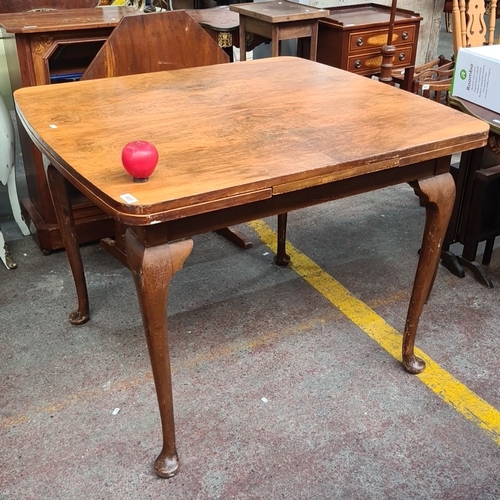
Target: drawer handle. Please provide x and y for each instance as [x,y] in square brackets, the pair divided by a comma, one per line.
[357,64]
[402,56]
[360,42]
[405,35]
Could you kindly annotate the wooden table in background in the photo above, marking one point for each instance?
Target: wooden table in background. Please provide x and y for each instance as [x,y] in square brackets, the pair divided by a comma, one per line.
[222,25]
[279,20]
[271,136]
[49,47]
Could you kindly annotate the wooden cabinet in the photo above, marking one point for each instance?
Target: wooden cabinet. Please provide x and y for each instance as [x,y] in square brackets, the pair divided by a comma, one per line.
[351,37]
[25,5]
[53,47]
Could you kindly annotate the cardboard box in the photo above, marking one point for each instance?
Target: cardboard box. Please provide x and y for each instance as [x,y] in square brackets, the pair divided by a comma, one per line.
[477,76]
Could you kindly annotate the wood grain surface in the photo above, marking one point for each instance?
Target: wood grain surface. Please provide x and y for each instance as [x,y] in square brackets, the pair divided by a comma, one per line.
[64,20]
[278,11]
[223,132]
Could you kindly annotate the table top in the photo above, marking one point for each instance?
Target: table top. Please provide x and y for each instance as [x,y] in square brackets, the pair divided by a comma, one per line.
[278,11]
[487,115]
[216,18]
[231,133]
[64,20]
[364,15]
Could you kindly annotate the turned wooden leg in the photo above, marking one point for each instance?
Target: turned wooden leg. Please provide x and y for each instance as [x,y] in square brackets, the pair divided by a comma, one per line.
[152,269]
[242,35]
[281,258]
[64,213]
[314,41]
[437,195]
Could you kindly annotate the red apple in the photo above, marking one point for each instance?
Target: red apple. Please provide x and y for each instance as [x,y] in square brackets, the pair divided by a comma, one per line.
[139,159]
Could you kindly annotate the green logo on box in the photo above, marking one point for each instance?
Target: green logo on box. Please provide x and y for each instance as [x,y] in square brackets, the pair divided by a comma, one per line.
[463,74]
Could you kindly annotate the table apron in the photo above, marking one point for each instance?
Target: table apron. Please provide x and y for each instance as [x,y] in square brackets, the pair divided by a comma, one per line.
[287,31]
[210,221]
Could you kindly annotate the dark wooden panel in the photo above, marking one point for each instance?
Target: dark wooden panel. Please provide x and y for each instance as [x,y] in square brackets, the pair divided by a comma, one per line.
[177,41]
[25,5]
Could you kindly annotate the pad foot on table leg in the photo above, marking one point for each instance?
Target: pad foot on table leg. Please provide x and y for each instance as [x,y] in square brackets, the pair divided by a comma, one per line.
[78,318]
[166,465]
[413,365]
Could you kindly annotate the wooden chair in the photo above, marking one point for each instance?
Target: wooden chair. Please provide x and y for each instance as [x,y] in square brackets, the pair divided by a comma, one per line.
[431,80]
[175,41]
[154,42]
[471,27]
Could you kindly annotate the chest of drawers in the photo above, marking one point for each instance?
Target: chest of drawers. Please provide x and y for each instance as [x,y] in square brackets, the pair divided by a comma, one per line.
[351,37]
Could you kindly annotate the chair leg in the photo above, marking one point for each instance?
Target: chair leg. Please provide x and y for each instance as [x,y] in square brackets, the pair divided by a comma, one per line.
[14,203]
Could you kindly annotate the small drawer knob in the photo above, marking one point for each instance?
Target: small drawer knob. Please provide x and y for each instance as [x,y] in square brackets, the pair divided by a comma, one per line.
[402,56]
[360,41]
[357,64]
[405,35]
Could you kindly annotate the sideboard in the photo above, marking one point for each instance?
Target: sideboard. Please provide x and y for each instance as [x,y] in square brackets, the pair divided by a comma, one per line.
[53,47]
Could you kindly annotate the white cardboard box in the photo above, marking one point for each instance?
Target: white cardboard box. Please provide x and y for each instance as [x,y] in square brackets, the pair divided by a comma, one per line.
[477,76]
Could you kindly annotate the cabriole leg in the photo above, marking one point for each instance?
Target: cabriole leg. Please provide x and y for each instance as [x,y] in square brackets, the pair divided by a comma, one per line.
[437,195]
[64,213]
[152,269]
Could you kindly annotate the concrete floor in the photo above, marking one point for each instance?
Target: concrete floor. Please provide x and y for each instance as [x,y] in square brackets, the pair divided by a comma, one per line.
[339,419]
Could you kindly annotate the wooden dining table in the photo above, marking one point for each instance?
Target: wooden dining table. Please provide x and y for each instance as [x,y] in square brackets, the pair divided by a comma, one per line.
[237,142]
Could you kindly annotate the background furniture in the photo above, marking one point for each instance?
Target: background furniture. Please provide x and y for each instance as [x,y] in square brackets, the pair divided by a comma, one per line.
[174,40]
[351,38]
[8,178]
[222,25]
[7,6]
[279,20]
[49,47]
[431,80]
[475,215]
[470,28]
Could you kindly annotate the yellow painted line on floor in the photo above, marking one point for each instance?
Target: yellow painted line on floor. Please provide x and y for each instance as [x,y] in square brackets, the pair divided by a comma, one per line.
[442,383]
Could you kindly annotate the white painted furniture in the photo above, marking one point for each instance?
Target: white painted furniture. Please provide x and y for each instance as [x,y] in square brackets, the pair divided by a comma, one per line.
[8,178]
